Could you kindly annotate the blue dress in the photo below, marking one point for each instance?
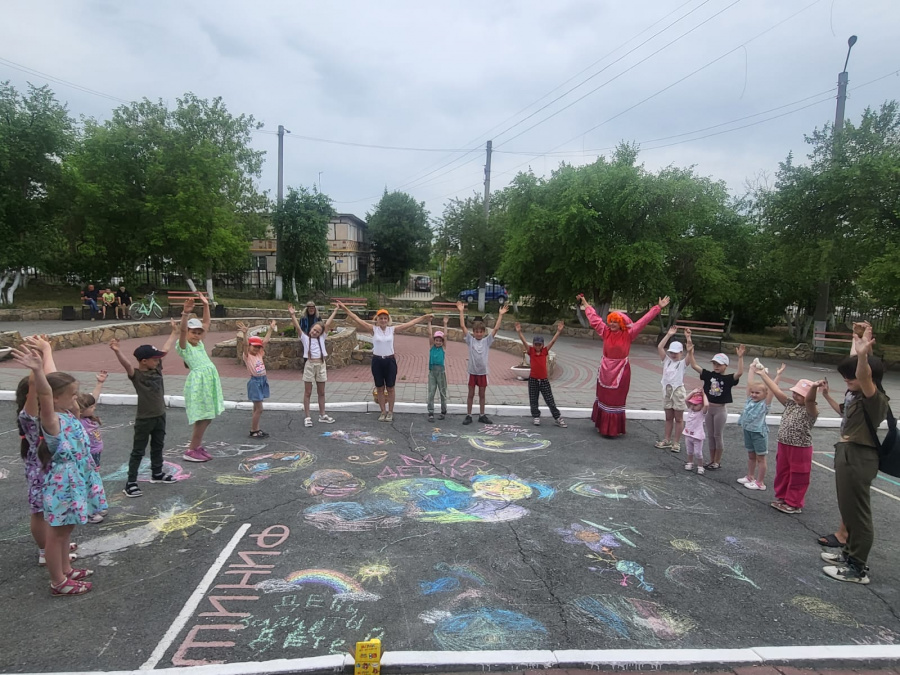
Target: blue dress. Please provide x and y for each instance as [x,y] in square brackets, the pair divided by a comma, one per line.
[73,490]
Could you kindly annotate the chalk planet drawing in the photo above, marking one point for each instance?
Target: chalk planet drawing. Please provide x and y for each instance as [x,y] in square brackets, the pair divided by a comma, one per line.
[507,445]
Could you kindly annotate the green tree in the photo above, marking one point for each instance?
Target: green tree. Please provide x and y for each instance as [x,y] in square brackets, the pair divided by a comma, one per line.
[36,132]
[301,224]
[472,245]
[400,235]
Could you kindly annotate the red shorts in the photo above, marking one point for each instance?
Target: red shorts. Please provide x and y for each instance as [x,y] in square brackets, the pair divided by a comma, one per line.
[477,380]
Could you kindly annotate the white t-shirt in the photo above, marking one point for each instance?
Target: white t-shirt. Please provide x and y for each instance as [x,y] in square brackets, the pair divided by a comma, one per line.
[313,349]
[383,341]
[673,373]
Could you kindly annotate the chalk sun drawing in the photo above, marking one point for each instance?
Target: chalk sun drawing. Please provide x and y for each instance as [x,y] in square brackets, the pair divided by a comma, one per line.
[639,621]
[623,483]
[488,628]
[343,586]
[374,570]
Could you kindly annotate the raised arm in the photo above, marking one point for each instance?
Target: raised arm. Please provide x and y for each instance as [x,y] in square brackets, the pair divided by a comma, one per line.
[774,389]
[129,369]
[661,346]
[462,317]
[42,344]
[740,351]
[413,322]
[504,308]
[430,334]
[273,328]
[293,313]
[826,394]
[185,315]
[863,347]
[32,360]
[364,326]
[812,408]
[689,348]
[641,323]
[173,335]
[560,327]
[329,322]
[101,378]
[522,337]
[595,321]
[207,315]
[243,332]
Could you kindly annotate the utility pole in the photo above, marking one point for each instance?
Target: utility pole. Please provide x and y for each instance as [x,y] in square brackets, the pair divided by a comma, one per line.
[482,272]
[820,317]
[279,282]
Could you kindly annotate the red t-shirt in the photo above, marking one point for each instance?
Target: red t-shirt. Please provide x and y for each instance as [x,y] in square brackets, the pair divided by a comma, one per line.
[538,363]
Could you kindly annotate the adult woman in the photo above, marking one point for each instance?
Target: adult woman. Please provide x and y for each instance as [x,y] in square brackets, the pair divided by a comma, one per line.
[384,363]
[310,317]
[614,374]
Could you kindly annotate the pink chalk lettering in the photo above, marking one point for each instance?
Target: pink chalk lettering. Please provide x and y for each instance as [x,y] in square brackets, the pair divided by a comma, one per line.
[246,577]
[279,531]
[214,600]
[178,658]
[249,562]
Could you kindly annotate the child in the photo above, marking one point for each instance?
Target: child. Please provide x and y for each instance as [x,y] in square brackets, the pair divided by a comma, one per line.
[258,385]
[72,488]
[756,432]
[538,381]
[203,399]
[437,376]
[673,390]
[87,405]
[717,386]
[479,350]
[793,462]
[315,369]
[150,414]
[694,433]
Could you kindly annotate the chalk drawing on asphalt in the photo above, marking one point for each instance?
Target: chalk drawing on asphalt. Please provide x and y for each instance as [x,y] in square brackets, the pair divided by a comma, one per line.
[821,609]
[735,569]
[175,470]
[374,570]
[489,628]
[341,585]
[623,483]
[356,437]
[377,457]
[333,484]
[630,619]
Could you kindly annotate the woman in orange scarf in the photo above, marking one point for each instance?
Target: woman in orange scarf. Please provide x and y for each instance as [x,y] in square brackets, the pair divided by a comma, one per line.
[614,374]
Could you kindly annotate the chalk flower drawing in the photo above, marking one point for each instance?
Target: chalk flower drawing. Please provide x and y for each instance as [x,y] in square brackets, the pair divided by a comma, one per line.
[589,536]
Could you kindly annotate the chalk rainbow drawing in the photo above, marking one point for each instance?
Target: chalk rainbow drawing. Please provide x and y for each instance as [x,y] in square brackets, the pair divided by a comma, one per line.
[639,621]
[342,586]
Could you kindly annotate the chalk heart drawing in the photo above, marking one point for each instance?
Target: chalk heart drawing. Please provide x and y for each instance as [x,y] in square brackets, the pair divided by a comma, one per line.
[333,483]
[377,457]
[824,610]
[489,628]
[175,470]
[343,586]
[356,437]
[630,619]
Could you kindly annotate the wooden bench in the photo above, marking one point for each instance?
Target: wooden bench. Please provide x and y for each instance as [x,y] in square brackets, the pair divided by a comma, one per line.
[711,330]
[444,308]
[176,301]
[831,342]
[359,305]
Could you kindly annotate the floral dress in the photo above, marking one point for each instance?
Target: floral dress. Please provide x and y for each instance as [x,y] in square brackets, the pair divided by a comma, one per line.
[30,428]
[203,397]
[72,488]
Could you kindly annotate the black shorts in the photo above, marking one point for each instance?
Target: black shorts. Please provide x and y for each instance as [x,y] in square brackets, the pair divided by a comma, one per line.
[384,371]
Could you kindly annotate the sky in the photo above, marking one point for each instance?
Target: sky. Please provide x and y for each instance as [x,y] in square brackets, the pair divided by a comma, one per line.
[431,82]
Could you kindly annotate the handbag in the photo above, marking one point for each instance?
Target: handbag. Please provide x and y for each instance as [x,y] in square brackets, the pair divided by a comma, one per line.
[889,449]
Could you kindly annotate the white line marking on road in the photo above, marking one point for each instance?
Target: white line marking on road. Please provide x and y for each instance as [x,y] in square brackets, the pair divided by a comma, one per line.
[189,607]
[886,494]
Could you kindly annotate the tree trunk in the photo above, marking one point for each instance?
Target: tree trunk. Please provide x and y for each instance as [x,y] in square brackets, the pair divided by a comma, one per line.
[296,297]
[209,285]
[279,287]
[12,289]
[190,283]
[3,283]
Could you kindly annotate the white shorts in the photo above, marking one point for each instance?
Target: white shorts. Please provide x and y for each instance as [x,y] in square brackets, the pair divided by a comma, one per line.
[315,372]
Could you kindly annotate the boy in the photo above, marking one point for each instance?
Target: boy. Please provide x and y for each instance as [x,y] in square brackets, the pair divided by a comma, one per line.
[150,416]
[673,390]
[109,301]
[123,303]
[538,382]
[479,349]
[437,376]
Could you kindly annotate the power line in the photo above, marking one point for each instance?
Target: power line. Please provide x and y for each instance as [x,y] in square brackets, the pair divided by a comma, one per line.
[59,80]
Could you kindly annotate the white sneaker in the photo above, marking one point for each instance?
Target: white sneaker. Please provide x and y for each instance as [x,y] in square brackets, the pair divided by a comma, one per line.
[700,470]
[326,419]
[753,485]
[389,417]
[689,466]
[307,422]
[743,480]
[382,417]
[537,421]
[560,422]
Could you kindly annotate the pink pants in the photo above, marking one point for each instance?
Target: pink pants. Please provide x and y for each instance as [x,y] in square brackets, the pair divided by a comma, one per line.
[694,447]
[793,465]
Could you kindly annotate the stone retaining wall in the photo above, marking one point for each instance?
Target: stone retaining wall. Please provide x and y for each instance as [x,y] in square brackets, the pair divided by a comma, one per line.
[286,353]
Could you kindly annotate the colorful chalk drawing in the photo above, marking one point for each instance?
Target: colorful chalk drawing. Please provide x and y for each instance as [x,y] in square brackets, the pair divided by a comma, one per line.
[602,540]
[436,500]
[712,557]
[642,622]
[448,466]
[175,470]
[276,462]
[460,572]
[820,609]
[627,568]
[507,445]
[377,457]
[589,536]
[662,492]
[341,585]
[221,449]
[333,483]
[374,570]
[687,576]
[489,628]
[356,437]
[441,437]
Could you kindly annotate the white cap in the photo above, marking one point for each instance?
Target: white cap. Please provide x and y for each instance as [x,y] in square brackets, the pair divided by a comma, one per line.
[194,323]
[721,359]
[675,347]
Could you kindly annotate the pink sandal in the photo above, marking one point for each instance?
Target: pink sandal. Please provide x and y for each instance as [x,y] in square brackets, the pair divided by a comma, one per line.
[77,574]
[70,587]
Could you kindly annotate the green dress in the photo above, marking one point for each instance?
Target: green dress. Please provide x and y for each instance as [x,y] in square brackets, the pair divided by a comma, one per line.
[203,397]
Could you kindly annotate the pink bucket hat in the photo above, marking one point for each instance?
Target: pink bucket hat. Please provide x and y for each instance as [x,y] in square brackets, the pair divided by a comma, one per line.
[802,387]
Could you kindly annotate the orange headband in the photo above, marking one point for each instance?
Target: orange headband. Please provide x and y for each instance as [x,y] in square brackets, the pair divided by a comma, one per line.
[615,317]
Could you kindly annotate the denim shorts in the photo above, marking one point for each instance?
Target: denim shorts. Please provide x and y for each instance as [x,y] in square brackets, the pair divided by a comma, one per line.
[258,388]
[756,442]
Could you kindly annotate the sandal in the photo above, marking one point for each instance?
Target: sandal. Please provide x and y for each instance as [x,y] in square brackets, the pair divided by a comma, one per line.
[830,541]
[662,445]
[259,433]
[712,466]
[77,574]
[70,587]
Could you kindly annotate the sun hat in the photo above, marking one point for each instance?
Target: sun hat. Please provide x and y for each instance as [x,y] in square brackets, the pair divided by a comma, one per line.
[255,341]
[675,347]
[194,323]
[802,387]
[696,399]
[721,359]
[148,352]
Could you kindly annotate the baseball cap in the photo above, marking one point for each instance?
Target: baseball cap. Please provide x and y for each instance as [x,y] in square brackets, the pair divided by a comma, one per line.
[675,347]
[538,339]
[255,341]
[721,359]
[195,323]
[696,399]
[382,311]
[802,387]
[439,334]
[148,352]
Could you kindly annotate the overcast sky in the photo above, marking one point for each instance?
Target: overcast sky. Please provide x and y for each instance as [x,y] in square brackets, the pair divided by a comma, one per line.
[450,75]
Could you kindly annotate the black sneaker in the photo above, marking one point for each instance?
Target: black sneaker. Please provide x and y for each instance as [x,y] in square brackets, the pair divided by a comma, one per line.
[132,490]
[484,419]
[166,478]
[847,572]
[442,415]
[430,417]
[468,420]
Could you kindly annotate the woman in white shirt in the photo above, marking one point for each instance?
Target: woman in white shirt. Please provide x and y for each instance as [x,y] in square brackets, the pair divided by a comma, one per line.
[384,364]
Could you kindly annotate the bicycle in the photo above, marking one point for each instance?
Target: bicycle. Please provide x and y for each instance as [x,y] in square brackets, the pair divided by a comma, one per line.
[141,310]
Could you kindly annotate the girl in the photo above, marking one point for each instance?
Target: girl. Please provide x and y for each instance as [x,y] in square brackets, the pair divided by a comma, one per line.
[203,397]
[538,381]
[72,488]
[258,385]
[694,433]
[756,432]
[384,362]
[87,407]
[672,382]
[437,376]
[315,369]
[717,386]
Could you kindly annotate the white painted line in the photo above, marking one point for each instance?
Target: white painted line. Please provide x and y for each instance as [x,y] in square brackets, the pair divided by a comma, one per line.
[530,659]
[825,652]
[886,494]
[638,658]
[188,610]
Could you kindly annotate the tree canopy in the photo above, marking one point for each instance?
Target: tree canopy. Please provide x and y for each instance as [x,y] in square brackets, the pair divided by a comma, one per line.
[400,235]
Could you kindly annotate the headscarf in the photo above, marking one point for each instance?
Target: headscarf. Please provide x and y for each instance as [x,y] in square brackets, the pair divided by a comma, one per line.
[619,318]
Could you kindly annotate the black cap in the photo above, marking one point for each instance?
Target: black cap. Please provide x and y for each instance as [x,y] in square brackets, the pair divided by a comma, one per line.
[148,352]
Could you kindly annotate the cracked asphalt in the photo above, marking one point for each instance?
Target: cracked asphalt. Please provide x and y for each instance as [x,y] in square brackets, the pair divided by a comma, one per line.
[432,537]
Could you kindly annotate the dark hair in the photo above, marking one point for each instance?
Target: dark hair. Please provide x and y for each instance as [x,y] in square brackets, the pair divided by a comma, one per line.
[847,369]
[86,401]
[21,395]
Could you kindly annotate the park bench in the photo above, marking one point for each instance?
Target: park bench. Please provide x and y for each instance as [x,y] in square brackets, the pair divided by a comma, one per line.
[704,330]
[176,301]
[358,305]
[443,309]
[831,342]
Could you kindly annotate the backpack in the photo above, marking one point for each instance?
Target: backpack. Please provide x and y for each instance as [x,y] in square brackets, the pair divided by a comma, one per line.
[889,449]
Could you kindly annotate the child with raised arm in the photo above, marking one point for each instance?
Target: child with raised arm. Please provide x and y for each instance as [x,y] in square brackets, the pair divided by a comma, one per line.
[437,375]
[150,414]
[87,409]
[694,432]
[538,380]
[756,432]
[315,369]
[674,404]
[253,355]
[717,386]
[793,462]
[479,342]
